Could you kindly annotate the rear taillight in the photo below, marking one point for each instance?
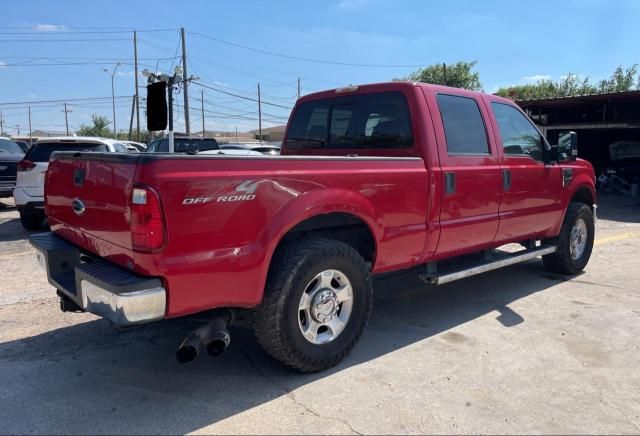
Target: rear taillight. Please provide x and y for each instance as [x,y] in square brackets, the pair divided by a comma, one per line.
[147,225]
[25,165]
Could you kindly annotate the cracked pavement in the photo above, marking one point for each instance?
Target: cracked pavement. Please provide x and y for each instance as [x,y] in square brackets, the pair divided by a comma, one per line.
[518,350]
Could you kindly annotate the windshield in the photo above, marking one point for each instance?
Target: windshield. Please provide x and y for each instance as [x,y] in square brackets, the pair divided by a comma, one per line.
[8,146]
[42,152]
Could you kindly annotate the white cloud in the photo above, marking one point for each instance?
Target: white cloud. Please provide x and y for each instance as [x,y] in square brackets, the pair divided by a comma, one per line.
[225,84]
[536,78]
[126,73]
[49,27]
[32,95]
[2,64]
[351,4]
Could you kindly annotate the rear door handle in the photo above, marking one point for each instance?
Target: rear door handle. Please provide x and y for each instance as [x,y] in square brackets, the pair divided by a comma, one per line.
[506,180]
[449,183]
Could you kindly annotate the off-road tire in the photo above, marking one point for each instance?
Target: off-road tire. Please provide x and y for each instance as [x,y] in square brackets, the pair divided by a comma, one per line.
[31,220]
[275,320]
[561,261]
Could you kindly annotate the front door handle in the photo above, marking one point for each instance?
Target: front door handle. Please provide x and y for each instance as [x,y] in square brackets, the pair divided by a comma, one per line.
[506,180]
[449,183]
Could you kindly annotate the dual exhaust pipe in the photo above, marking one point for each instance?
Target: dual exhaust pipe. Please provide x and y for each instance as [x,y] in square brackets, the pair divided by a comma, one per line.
[212,337]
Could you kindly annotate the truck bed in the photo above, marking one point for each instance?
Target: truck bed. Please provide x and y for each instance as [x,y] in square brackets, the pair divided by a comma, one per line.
[224,216]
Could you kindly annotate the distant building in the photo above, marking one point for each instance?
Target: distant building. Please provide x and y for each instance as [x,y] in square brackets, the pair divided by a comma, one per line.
[50,133]
[271,134]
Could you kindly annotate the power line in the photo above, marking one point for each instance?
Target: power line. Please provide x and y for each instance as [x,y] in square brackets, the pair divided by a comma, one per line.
[72,31]
[61,100]
[239,96]
[66,40]
[298,58]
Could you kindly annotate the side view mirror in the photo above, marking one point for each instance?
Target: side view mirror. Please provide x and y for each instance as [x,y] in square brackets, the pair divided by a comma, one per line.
[567,147]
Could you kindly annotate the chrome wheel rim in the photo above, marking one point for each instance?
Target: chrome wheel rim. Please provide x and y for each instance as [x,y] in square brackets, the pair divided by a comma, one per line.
[578,239]
[325,307]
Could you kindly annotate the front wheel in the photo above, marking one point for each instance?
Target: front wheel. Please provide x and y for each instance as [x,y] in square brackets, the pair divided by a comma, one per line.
[317,303]
[574,243]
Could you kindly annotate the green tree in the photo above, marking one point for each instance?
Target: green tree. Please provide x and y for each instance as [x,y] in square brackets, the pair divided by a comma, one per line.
[458,75]
[572,85]
[99,128]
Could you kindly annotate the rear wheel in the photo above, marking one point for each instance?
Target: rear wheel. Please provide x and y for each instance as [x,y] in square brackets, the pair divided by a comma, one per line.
[574,243]
[31,220]
[317,303]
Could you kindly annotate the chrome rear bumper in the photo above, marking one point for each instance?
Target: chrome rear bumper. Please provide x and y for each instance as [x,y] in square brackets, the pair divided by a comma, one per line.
[100,287]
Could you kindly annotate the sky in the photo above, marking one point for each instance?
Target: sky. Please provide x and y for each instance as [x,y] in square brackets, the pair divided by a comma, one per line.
[233,46]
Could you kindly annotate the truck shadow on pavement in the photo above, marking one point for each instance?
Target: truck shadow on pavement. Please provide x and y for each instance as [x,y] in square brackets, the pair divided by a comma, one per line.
[90,378]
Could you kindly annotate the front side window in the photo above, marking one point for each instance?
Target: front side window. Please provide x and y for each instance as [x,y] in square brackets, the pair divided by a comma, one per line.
[519,136]
[366,121]
[463,125]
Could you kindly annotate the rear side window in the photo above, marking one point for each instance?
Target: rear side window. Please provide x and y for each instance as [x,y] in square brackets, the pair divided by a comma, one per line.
[366,121]
[42,152]
[463,125]
[519,136]
[120,148]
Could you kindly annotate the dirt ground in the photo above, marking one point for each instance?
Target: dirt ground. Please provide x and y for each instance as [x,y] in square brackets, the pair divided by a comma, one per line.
[518,350]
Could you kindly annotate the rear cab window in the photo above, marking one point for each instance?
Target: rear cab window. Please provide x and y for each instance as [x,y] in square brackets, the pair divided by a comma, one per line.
[371,121]
[41,152]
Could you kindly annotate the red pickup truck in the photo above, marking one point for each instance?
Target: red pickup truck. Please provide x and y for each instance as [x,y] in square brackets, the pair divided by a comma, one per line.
[371,179]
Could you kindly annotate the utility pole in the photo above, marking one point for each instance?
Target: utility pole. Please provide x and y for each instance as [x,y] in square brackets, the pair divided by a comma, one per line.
[298,87]
[30,124]
[186,82]
[18,127]
[113,98]
[202,106]
[133,106]
[135,62]
[444,72]
[66,119]
[236,133]
[1,124]
[170,92]
[259,115]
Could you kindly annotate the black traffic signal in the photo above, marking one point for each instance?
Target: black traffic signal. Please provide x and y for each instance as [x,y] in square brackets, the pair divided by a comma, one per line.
[157,106]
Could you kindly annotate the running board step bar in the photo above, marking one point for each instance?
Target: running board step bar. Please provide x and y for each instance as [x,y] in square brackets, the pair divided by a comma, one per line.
[500,259]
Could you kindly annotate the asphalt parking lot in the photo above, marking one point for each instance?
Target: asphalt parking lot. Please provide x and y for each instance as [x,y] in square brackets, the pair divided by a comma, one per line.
[518,350]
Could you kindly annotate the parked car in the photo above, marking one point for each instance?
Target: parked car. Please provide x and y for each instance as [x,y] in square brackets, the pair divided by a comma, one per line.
[372,179]
[22,144]
[183,145]
[32,169]
[269,150]
[10,155]
[136,147]
[197,146]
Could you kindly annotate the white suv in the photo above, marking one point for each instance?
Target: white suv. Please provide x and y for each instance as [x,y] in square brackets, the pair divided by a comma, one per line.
[29,192]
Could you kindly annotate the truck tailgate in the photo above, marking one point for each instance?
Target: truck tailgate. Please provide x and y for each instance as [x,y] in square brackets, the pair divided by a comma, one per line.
[87,199]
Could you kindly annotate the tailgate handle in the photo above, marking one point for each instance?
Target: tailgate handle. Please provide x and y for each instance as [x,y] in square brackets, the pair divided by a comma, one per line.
[506,180]
[449,183]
